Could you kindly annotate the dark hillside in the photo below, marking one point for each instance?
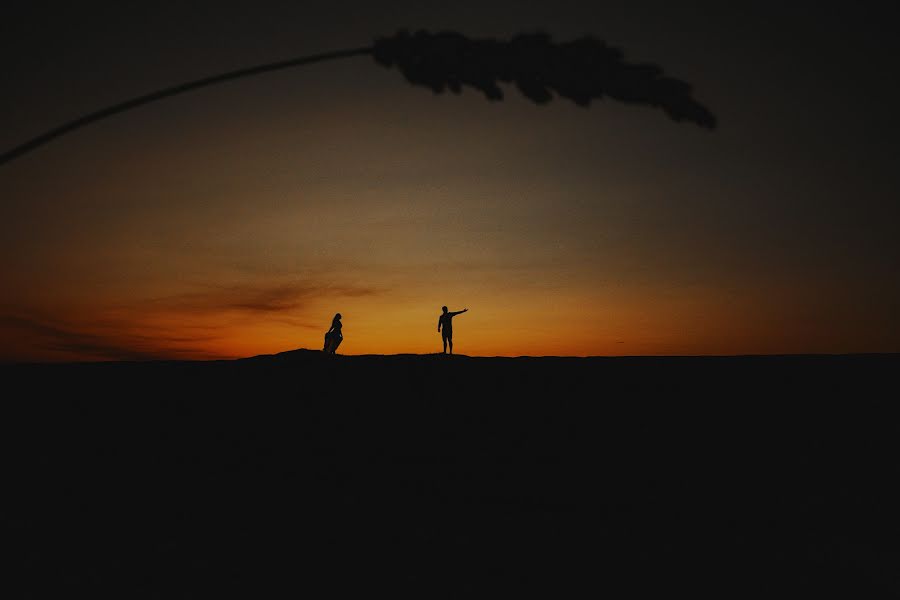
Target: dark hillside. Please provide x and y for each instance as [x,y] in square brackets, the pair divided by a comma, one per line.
[301,473]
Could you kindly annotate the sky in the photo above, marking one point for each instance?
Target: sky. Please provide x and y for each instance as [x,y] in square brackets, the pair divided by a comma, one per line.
[236,220]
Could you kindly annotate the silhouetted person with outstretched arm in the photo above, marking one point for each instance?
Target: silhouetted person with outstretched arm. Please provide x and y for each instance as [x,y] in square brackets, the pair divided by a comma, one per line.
[333,337]
[445,326]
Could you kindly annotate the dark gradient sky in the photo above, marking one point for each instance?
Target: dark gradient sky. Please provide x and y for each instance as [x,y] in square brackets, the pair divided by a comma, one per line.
[238,219]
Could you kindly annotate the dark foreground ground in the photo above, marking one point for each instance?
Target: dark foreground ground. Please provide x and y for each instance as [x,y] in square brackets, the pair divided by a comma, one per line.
[303,474]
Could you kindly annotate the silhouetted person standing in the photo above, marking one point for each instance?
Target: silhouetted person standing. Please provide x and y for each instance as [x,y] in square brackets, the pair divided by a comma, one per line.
[445,326]
[333,337]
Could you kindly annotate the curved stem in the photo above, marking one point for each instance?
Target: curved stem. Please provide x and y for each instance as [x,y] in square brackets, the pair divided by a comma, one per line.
[172,91]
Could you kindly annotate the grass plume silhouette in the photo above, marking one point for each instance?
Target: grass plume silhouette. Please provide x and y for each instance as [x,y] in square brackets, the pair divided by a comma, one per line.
[581,70]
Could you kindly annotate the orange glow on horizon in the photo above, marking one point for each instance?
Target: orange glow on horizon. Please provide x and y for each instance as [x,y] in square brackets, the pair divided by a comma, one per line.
[541,324]
[217,241]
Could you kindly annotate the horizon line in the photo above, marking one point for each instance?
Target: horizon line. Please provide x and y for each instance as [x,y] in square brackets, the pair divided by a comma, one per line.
[468,356]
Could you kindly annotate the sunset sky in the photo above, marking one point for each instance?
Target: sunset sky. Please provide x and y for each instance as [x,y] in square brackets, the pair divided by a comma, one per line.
[237,220]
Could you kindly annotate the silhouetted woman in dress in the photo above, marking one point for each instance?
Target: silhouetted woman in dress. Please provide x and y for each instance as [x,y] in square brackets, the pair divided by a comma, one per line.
[333,337]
